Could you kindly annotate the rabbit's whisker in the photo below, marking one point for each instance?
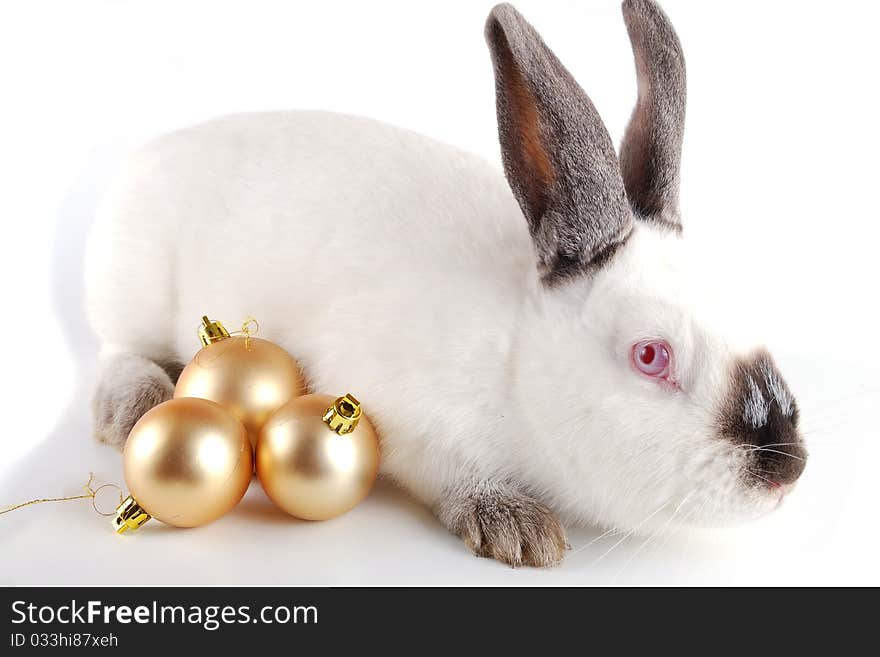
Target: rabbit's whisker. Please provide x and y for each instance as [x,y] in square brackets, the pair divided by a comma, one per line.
[683,521]
[748,447]
[755,474]
[654,535]
[632,531]
[776,451]
[609,532]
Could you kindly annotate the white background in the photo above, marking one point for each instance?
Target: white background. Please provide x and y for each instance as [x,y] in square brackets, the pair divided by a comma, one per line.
[779,195]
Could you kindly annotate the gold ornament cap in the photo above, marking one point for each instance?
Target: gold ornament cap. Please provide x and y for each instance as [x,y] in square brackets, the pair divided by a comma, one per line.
[211,331]
[344,415]
[129,515]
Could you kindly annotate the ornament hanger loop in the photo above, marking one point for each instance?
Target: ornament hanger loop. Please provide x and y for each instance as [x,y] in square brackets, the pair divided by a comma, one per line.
[248,322]
[95,498]
[247,331]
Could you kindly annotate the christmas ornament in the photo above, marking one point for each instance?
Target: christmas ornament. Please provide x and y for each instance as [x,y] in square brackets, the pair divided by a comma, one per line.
[187,462]
[250,377]
[318,457]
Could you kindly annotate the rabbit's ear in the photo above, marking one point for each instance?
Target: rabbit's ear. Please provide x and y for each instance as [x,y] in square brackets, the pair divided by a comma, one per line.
[558,157]
[650,156]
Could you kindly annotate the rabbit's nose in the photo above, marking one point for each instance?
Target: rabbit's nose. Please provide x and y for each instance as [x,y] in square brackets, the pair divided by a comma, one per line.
[781,465]
[761,414]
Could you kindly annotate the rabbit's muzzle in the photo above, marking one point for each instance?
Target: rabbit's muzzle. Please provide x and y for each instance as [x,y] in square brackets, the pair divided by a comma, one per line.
[760,415]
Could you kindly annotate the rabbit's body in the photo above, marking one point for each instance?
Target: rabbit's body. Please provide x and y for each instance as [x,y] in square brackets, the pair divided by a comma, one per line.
[386,263]
[525,348]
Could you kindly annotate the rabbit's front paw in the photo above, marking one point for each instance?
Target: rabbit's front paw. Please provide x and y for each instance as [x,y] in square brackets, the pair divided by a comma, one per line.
[505,525]
[128,387]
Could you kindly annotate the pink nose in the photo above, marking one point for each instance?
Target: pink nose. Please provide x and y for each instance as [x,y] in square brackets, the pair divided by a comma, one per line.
[783,490]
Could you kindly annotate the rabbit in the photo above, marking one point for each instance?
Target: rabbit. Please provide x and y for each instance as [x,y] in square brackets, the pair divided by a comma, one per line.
[525,344]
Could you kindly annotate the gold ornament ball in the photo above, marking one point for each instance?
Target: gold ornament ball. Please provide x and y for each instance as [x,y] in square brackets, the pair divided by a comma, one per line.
[250,377]
[317,456]
[187,462]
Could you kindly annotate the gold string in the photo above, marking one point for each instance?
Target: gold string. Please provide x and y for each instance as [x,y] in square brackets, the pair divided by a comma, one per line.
[246,331]
[89,495]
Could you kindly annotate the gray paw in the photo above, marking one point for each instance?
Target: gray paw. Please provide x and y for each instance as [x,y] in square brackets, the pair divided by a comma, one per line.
[129,386]
[508,526]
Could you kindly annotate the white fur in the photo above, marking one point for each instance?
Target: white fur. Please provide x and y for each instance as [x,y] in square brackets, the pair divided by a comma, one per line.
[756,410]
[401,270]
[777,389]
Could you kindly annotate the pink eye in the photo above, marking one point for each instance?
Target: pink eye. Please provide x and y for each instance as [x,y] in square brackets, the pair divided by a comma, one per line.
[653,358]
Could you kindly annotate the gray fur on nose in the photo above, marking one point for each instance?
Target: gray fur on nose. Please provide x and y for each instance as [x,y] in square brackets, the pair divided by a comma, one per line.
[761,412]
[761,389]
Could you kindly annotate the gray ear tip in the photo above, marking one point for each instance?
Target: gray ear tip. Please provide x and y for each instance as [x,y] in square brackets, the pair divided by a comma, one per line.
[502,18]
[629,6]
[641,10]
[639,5]
[502,9]
[644,17]
[502,14]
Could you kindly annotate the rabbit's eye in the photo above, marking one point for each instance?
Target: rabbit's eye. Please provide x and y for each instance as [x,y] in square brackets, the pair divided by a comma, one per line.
[653,358]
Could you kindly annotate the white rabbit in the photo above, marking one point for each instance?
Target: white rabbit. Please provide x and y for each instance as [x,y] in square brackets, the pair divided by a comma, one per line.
[525,356]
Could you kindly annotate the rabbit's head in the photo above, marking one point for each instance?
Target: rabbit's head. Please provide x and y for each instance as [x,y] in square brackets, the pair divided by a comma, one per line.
[640,409]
